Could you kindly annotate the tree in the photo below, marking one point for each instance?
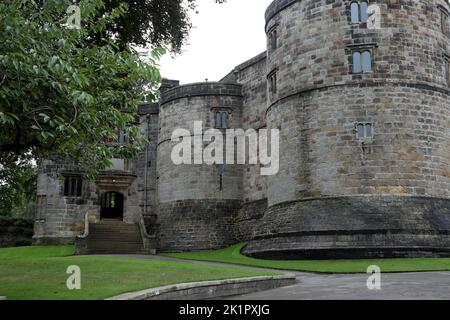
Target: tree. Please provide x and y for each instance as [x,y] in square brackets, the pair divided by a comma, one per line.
[17,189]
[63,94]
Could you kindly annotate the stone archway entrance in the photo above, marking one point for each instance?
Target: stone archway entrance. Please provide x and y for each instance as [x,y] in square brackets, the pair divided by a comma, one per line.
[112,204]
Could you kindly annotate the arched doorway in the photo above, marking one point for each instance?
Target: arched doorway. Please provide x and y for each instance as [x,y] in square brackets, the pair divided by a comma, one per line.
[112,205]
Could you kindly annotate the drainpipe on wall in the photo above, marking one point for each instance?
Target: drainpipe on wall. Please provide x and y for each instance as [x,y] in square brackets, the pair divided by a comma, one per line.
[146,165]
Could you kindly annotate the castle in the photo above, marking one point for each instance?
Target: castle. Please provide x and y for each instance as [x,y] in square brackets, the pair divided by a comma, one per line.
[363,109]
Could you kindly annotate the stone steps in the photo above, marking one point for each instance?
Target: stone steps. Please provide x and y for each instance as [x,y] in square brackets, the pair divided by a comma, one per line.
[114,237]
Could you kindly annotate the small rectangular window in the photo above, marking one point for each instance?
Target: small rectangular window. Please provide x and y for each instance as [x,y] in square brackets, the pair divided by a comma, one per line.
[272,80]
[221,120]
[73,186]
[362,61]
[359,12]
[273,39]
[447,70]
[123,136]
[445,21]
[364,131]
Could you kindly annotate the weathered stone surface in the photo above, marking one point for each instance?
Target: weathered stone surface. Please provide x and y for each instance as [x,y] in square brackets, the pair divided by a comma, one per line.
[335,195]
[198,224]
[354,226]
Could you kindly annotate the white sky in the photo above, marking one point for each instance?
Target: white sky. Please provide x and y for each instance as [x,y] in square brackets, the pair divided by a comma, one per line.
[223,36]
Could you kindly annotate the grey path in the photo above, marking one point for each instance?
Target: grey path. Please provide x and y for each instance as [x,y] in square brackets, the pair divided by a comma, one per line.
[310,286]
[395,286]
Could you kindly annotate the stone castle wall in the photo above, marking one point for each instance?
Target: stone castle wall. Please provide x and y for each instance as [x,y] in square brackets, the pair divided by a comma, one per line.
[317,105]
[60,219]
[335,195]
[251,75]
[149,124]
[194,212]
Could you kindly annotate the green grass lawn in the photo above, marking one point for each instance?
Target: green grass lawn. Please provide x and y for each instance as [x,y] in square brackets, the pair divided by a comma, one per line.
[233,255]
[40,273]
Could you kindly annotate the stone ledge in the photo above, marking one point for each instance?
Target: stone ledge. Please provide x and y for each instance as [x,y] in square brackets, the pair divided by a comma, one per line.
[201,89]
[276,7]
[210,289]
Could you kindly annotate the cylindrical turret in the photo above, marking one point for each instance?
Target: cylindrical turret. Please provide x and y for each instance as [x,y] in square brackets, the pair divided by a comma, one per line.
[198,203]
[364,109]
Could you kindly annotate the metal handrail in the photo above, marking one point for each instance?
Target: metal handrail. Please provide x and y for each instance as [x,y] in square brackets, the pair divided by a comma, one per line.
[86,227]
[146,238]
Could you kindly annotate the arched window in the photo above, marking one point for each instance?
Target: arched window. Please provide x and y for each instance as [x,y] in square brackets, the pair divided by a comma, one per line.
[364,131]
[273,39]
[359,11]
[447,70]
[221,120]
[366,62]
[445,26]
[272,79]
[363,9]
[357,62]
[218,120]
[355,12]
[362,61]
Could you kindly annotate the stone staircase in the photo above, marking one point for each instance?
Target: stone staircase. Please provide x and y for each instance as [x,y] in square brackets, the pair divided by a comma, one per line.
[111,237]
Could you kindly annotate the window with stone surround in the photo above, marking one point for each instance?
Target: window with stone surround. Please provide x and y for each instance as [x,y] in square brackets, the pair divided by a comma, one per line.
[221,170]
[272,82]
[273,38]
[445,22]
[221,119]
[73,186]
[123,137]
[358,12]
[362,61]
[447,69]
[364,130]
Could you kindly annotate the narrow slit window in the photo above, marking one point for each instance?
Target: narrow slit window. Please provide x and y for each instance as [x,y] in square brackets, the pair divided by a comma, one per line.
[218,120]
[272,79]
[273,39]
[360,131]
[445,27]
[359,12]
[221,169]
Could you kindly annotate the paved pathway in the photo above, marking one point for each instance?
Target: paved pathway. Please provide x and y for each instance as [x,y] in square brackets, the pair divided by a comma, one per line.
[310,286]
[394,286]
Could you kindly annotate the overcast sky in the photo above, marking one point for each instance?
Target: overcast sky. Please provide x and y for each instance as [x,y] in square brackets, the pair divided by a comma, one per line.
[223,36]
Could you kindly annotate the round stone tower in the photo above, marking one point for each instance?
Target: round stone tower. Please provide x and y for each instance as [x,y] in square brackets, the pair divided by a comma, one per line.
[363,109]
[198,202]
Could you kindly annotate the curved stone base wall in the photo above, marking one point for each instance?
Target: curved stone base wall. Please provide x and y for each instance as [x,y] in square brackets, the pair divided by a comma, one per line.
[249,215]
[197,224]
[354,227]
